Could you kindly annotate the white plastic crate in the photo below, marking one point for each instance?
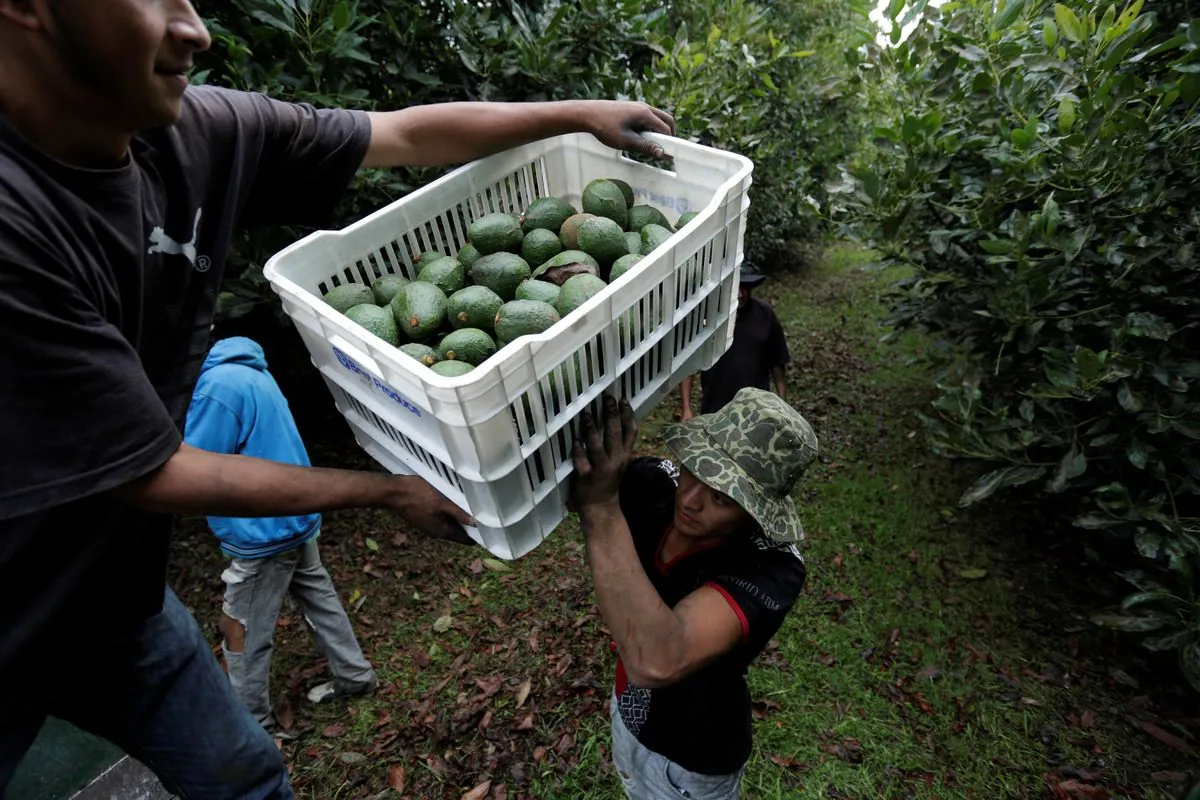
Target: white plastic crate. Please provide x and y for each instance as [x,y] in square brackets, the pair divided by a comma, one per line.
[497,441]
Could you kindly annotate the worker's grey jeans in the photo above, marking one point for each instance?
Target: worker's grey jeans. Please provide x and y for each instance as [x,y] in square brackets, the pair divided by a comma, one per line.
[254,592]
[646,775]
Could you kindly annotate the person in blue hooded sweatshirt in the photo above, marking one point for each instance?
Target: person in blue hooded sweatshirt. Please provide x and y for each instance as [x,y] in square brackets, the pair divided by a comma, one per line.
[238,408]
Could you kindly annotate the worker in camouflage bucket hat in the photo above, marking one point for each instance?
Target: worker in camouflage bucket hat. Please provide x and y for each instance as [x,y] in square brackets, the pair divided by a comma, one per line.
[754,450]
[695,567]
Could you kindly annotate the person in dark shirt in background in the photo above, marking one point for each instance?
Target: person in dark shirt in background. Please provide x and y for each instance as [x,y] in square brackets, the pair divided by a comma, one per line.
[756,356]
[121,187]
[695,567]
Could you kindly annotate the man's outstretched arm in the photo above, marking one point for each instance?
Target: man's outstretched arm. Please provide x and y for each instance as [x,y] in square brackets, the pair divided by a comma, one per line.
[455,133]
[194,481]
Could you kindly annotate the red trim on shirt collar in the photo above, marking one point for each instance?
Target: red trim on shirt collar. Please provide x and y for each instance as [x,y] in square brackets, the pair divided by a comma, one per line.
[665,566]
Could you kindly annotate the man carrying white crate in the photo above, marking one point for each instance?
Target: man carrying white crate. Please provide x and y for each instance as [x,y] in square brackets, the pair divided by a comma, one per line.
[695,567]
[120,190]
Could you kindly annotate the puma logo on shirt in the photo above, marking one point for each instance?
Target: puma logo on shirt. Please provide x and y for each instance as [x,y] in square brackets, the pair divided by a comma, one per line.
[161,243]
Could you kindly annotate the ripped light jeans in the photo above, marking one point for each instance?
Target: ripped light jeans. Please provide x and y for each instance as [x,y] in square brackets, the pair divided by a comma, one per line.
[254,591]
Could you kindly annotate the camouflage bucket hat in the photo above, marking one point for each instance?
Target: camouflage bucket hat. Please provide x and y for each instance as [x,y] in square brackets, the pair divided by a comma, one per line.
[754,450]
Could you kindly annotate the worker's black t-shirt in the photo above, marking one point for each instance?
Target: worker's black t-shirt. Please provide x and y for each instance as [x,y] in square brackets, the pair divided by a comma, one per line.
[703,722]
[758,346]
[108,285]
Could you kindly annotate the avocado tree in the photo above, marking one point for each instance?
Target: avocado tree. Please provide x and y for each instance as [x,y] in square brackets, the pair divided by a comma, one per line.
[1040,179]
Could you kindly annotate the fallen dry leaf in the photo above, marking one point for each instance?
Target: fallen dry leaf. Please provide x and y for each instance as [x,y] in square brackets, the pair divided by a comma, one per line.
[788,763]
[539,753]
[1169,739]
[1167,776]
[1122,677]
[1074,790]
[396,777]
[476,566]
[500,792]
[334,730]
[479,792]
[761,709]
[1087,720]
[400,539]
[283,712]
[489,686]
[526,723]
[523,692]
[837,597]
[928,674]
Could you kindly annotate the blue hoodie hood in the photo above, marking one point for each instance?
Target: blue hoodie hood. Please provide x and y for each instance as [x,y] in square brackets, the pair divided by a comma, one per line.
[237,408]
[236,350]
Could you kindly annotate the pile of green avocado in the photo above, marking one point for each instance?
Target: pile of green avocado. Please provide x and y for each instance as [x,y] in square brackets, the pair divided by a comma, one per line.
[461,308]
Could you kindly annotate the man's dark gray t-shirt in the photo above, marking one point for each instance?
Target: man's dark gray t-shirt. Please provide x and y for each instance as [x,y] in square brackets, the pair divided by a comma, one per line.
[108,285]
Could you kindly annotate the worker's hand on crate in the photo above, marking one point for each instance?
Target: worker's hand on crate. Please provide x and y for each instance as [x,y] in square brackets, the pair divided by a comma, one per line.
[600,461]
[429,511]
[620,124]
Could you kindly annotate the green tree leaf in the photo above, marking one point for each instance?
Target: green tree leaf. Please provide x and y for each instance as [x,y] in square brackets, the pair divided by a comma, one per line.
[993,481]
[1128,622]
[1127,41]
[1125,20]
[1068,22]
[1128,399]
[1021,138]
[1072,465]
[1148,325]
[1008,15]
[1141,598]
[1097,522]
[341,15]
[1169,641]
[1066,115]
[1149,543]
[1189,663]
[1137,454]
[1050,33]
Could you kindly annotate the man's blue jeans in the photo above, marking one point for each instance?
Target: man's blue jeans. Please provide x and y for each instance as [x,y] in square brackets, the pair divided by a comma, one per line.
[160,696]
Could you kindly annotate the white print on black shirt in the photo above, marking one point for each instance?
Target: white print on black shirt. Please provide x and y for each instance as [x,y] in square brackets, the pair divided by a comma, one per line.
[161,243]
[753,590]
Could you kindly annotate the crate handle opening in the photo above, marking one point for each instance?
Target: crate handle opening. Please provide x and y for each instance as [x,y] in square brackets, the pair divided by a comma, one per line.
[650,162]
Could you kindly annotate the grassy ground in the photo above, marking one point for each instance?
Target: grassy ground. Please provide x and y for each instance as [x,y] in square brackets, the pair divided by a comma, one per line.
[933,654]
